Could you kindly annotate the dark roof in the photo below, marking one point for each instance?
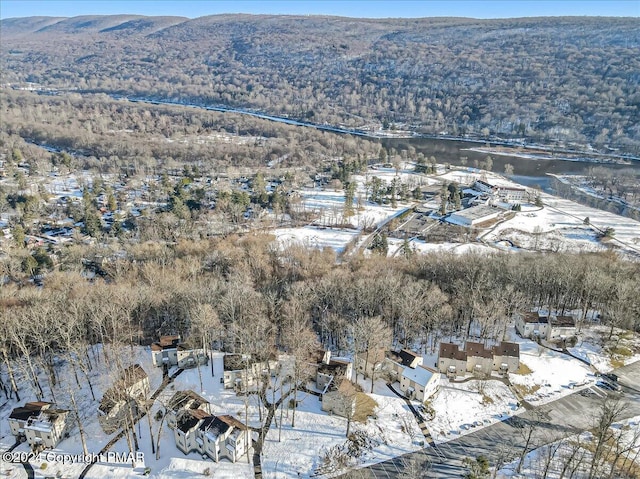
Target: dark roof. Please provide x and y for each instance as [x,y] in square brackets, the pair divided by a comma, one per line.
[232,421]
[564,321]
[407,357]
[233,362]
[23,413]
[166,342]
[507,349]
[484,183]
[131,376]
[477,350]
[451,351]
[335,369]
[534,317]
[30,409]
[181,398]
[187,421]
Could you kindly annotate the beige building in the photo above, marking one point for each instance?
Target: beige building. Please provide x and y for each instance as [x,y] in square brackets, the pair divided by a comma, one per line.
[452,361]
[506,357]
[552,328]
[340,399]
[393,363]
[241,371]
[477,359]
[419,383]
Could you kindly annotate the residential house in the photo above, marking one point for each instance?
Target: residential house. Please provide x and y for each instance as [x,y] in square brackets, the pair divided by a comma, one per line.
[562,327]
[394,362]
[477,359]
[47,429]
[503,192]
[170,351]
[452,361]
[217,437]
[20,415]
[370,362]
[506,357]
[419,383]
[124,398]
[552,328]
[184,400]
[241,371]
[340,398]
[42,425]
[531,325]
[331,368]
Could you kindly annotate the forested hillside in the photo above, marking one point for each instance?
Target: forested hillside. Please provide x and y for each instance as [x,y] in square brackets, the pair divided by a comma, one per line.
[574,80]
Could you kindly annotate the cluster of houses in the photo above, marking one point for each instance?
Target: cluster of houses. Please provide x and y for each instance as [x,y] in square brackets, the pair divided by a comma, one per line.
[534,325]
[475,358]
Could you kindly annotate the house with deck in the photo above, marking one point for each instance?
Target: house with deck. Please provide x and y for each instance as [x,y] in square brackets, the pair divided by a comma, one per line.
[331,369]
[532,325]
[184,401]
[124,399]
[242,371]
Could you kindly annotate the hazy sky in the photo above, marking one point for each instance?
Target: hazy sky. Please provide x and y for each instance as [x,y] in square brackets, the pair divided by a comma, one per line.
[363,8]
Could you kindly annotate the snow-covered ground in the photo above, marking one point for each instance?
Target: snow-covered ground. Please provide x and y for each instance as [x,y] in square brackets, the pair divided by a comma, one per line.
[459,405]
[549,461]
[315,237]
[300,450]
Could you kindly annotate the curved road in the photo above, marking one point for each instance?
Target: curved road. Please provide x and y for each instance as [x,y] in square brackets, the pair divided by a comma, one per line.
[566,416]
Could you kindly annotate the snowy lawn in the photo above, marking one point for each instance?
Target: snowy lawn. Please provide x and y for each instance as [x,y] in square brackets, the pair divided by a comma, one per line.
[459,405]
[545,375]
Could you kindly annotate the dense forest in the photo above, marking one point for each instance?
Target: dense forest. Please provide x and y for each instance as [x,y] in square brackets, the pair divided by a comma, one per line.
[568,80]
[114,135]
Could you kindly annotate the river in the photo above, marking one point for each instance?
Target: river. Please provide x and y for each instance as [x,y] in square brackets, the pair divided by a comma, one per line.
[526,171]
[529,172]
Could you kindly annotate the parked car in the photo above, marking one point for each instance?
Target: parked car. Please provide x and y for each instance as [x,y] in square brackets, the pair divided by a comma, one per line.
[610,377]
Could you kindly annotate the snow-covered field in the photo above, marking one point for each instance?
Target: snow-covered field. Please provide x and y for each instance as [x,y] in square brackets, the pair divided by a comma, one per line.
[558,226]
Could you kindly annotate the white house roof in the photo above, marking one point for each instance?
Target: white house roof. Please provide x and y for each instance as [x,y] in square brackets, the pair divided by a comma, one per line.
[420,375]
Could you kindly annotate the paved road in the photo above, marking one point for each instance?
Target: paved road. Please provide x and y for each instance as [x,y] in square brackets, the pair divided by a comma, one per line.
[566,416]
